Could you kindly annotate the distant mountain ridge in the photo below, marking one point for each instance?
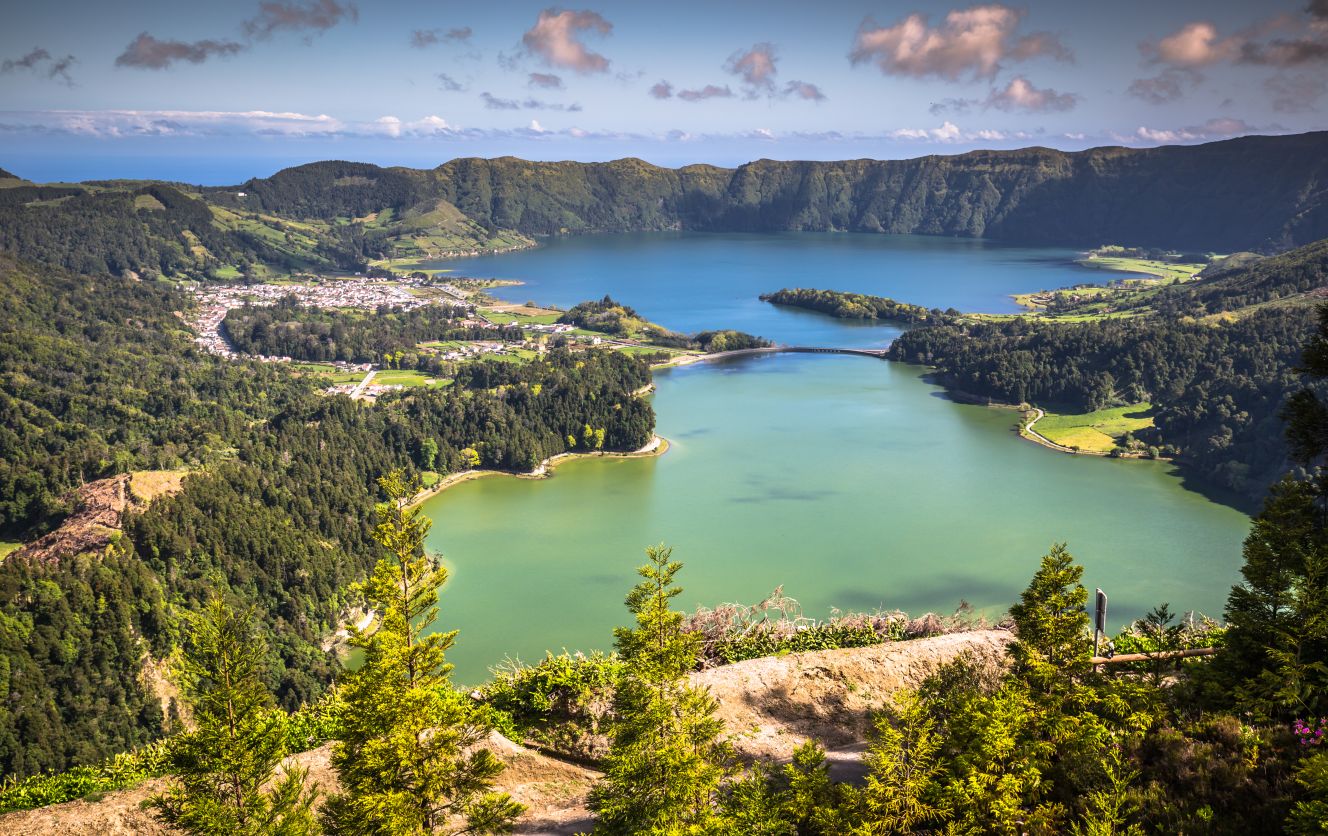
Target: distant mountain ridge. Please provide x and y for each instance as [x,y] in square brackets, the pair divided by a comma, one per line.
[1260,193]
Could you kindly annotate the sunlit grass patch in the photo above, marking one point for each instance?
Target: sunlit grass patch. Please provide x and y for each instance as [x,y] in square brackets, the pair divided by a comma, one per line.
[1098,431]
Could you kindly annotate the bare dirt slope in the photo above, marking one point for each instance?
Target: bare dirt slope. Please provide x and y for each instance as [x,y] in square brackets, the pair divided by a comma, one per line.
[554,793]
[99,509]
[769,706]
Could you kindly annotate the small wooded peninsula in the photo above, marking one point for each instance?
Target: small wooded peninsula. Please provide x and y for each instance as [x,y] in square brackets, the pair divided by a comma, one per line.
[223,406]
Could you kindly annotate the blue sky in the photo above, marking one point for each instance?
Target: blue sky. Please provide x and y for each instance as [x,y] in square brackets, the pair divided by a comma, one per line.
[223,91]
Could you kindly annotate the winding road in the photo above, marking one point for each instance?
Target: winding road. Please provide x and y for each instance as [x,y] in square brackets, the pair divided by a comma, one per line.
[1038,438]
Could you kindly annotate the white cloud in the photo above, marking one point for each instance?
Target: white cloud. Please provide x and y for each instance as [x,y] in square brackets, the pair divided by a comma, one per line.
[947,132]
[1219,128]
[976,41]
[1020,94]
[127,123]
[555,38]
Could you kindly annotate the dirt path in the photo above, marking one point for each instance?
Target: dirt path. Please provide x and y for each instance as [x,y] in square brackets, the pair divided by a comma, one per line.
[1038,438]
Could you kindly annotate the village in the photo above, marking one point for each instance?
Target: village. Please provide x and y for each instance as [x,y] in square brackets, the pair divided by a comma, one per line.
[406,293]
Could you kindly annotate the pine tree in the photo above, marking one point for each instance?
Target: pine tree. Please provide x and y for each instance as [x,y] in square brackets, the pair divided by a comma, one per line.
[222,767]
[1031,754]
[1276,655]
[902,793]
[796,799]
[1053,647]
[665,764]
[1276,659]
[409,759]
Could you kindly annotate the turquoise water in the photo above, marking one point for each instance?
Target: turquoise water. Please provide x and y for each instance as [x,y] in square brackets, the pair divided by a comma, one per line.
[850,481]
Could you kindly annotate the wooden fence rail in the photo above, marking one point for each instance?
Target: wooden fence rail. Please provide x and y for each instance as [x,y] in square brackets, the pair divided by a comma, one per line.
[1148,657]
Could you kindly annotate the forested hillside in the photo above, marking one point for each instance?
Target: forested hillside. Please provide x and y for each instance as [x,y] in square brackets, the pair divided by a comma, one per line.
[166,229]
[1254,193]
[1251,193]
[1217,385]
[855,305]
[100,377]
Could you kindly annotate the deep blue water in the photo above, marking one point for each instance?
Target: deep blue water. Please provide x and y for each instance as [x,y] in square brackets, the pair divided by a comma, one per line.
[696,281]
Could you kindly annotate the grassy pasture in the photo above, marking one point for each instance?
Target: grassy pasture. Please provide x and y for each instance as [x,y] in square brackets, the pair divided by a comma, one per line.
[1098,431]
[328,372]
[509,317]
[147,485]
[408,379]
[1165,270]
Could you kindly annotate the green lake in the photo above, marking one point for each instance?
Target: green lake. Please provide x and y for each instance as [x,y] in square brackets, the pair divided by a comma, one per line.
[850,481]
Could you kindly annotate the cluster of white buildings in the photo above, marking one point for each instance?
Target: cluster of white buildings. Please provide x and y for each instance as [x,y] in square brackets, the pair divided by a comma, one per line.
[215,300]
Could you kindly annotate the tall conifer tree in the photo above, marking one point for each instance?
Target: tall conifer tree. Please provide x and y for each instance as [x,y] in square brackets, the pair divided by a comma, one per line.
[1277,639]
[666,762]
[409,758]
[226,768]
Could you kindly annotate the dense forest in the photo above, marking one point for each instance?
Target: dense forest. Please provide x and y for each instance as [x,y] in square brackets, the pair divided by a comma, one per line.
[302,332]
[856,305]
[100,377]
[1217,386]
[1216,390]
[1249,193]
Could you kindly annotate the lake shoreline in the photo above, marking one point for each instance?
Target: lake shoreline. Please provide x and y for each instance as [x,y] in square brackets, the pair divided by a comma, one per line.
[657,446]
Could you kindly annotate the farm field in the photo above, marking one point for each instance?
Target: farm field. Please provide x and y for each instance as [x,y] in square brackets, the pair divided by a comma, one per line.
[409,378]
[1165,270]
[1098,431]
[507,317]
[331,373]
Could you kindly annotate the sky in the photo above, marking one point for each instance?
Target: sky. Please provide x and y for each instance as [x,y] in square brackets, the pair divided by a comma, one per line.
[215,93]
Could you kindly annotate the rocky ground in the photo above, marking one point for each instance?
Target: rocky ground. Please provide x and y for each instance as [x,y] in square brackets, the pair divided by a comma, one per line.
[769,706]
[99,509]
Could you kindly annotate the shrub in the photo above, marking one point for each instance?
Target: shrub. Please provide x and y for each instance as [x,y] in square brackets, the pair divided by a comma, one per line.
[562,703]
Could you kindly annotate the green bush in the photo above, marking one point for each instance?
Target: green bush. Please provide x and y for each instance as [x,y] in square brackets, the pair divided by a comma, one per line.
[827,636]
[562,703]
[119,772]
[308,728]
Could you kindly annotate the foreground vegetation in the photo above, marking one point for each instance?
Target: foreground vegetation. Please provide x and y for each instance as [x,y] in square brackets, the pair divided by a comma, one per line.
[1051,744]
